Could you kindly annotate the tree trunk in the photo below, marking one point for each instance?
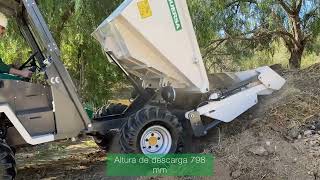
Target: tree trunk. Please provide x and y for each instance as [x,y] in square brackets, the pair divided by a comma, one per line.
[295,58]
[295,41]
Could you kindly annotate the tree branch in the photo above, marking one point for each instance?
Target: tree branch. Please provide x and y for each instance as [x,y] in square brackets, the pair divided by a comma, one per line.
[210,48]
[285,7]
[238,1]
[284,33]
[219,42]
[299,5]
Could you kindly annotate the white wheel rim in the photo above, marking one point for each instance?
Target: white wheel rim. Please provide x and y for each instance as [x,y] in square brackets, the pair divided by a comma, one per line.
[156,140]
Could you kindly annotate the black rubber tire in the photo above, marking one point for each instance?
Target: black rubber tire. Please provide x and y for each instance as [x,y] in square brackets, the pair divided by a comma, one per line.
[133,129]
[104,141]
[8,169]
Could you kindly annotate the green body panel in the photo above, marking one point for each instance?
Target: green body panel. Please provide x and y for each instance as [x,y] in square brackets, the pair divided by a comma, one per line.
[5,76]
[89,110]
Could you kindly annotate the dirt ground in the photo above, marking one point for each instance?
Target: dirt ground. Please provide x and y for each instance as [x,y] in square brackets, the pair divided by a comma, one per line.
[277,139]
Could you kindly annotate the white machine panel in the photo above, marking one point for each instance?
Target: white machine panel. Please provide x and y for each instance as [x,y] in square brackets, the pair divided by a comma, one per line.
[155,40]
[227,109]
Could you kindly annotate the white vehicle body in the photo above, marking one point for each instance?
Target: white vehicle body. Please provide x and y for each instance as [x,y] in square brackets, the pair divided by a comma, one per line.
[155,41]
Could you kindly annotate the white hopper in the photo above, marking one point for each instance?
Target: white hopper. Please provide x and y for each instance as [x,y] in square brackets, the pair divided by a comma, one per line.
[155,40]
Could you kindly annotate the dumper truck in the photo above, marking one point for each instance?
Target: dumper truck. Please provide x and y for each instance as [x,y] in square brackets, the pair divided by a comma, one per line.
[154,43]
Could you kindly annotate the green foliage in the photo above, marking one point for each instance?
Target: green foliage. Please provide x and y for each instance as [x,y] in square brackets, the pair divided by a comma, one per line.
[72,23]
[13,48]
[201,13]
[233,30]
[280,55]
[93,75]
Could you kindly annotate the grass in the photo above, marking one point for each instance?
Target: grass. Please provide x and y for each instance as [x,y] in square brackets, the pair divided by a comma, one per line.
[280,55]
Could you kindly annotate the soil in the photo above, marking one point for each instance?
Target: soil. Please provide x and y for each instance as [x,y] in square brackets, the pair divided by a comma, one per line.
[277,139]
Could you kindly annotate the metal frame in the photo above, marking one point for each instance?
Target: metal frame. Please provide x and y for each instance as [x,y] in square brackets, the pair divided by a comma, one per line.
[63,89]
[33,140]
[69,116]
[26,32]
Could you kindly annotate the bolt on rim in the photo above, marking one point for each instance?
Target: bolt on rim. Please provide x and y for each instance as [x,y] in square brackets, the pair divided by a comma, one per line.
[156,140]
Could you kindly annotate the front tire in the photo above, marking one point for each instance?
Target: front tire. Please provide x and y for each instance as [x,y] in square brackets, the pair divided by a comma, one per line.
[152,130]
[8,169]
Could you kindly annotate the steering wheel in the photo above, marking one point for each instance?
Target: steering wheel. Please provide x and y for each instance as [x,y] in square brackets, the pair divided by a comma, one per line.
[32,61]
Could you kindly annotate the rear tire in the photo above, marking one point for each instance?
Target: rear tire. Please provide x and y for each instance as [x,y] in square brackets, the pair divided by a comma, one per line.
[104,141]
[152,130]
[8,169]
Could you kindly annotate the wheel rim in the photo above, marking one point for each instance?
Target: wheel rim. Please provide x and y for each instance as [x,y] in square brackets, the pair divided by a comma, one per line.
[156,140]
